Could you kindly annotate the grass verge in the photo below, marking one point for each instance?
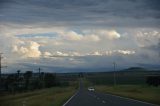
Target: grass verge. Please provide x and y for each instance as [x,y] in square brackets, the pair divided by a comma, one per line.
[55,96]
[138,92]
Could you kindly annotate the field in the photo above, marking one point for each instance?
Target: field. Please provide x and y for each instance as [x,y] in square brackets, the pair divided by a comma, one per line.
[130,84]
[55,96]
[122,77]
[139,92]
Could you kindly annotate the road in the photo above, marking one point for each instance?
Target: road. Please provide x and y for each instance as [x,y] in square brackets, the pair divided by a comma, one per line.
[83,97]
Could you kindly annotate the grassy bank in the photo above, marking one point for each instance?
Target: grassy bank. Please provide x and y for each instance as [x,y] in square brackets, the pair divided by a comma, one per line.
[55,96]
[139,92]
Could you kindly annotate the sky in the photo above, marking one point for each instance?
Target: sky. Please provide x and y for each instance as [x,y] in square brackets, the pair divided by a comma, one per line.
[79,35]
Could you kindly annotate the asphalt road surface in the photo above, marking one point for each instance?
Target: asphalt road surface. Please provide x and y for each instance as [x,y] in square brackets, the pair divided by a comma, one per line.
[83,97]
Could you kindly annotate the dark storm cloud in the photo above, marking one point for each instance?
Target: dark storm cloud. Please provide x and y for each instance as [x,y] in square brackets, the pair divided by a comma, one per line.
[82,12]
[154,4]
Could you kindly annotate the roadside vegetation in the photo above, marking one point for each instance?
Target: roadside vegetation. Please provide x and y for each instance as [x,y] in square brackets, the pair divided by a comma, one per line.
[55,96]
[37,89]
[139,92]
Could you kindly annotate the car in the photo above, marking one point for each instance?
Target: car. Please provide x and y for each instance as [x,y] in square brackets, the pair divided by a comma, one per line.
[91,89]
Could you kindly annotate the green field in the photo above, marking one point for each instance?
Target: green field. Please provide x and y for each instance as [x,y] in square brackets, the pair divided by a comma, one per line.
[139,92]
[55,96]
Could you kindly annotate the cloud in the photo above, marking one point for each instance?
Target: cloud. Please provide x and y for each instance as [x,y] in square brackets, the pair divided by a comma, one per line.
[28,49]
[96,53]
[58,53]
[121,52]
[147,37]
[70,35]
[108,34]
[37,35]
[89,35]
[80,47]
[125,52]
[74,36]
[154,47]
[92,13]
[47,54]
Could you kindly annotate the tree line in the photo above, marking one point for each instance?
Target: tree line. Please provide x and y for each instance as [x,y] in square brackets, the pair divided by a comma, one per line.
[153,80]
[19,82]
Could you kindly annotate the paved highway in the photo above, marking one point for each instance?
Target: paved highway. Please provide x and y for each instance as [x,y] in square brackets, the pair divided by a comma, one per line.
[83,97]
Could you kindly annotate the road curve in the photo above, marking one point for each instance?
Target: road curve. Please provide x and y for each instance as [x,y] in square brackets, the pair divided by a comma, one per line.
[84,97]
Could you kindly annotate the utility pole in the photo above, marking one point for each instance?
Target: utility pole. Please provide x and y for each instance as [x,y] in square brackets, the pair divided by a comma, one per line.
[114,64]
[39,69]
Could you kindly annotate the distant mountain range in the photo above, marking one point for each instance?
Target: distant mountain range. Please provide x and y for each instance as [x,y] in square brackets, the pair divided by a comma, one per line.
[34,68]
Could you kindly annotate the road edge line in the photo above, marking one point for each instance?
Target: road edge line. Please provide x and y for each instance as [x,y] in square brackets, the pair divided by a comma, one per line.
[133,99]
[70,99]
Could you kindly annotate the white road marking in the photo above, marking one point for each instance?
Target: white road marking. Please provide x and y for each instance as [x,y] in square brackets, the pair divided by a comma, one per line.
[70,99]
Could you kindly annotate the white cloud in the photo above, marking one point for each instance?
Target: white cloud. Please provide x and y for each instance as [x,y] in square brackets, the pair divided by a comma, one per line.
[74,36]
[89,35]
[96,53]
[70,35]
[76,54]
[28,49]
[47,54]
[58,53]
[91,38]
[109,34]
[104,33]
[112,52]
[125,52]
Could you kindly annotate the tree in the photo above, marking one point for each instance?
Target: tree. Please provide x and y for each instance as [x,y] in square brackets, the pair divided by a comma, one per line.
[50,80]
[41,82]
[10,83]
[18,73]
[18,77]
[38,83]
[153,80]
[27,77]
